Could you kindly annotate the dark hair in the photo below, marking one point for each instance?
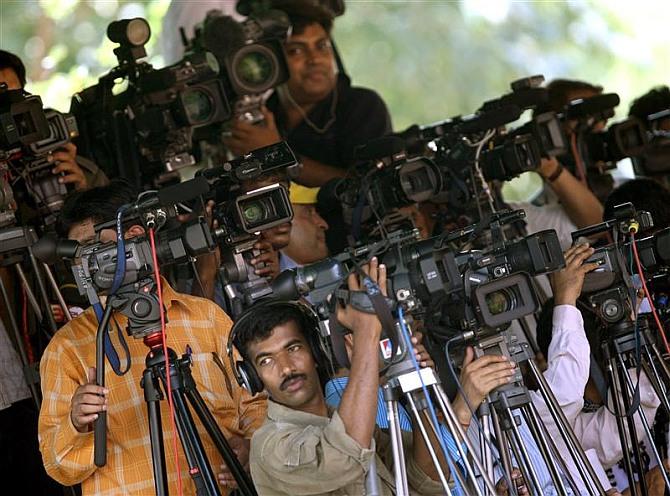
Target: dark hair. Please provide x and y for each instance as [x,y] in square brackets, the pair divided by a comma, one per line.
[259,325]
[10,61]
[655,100]
[645,194]
[98,204]
[302,13]
[559,91]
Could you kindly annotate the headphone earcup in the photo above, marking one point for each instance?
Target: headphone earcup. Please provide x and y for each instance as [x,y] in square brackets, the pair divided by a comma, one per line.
[248,378]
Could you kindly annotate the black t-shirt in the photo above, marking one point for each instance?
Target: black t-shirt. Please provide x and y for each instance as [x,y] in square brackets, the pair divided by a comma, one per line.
[360,116]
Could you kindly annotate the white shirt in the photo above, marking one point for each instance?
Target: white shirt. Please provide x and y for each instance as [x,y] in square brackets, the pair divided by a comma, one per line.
[550,216]
[568,360]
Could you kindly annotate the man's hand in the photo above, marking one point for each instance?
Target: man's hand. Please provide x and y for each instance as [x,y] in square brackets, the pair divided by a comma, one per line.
[87,402]
[246,137]
[478,378]
[420,352]
[362,323]
[567,283]
[240,447]
[266,264]
[517,480]
[65,159]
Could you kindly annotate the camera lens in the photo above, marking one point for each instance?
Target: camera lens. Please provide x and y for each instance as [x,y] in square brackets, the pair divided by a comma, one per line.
[257,212]
[255,68]
[501,301]
[198,106]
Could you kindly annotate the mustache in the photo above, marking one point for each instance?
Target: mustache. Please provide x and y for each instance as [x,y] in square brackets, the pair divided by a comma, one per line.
[290,378]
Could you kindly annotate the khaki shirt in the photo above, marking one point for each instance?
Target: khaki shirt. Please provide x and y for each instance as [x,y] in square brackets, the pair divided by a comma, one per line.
[296,453]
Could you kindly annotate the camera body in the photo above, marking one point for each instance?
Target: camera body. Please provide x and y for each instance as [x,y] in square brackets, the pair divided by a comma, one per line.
[142,123]
[251,55]
[28,134]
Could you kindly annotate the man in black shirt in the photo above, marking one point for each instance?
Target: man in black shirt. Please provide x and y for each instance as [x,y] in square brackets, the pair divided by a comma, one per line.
[317,111]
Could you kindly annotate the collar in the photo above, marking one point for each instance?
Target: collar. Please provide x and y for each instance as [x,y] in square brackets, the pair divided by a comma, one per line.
[281,413]
[170,296]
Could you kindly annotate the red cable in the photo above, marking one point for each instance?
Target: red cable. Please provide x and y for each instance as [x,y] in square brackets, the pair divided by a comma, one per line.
[26,337]
[581,173]
[157,275]
[646,292]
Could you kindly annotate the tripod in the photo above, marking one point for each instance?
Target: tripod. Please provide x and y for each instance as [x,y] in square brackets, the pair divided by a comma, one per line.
[142,309]
[499,410]
[621,352]
[402,379]
[15,248]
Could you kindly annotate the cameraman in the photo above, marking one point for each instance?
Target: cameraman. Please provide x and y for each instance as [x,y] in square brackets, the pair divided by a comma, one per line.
[72,400]
[307,243]
[78,171]
[317,111]
[304,447]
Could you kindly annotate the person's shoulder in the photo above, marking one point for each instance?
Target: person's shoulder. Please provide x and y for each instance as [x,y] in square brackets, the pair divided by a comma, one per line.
[77,333]
[368,96]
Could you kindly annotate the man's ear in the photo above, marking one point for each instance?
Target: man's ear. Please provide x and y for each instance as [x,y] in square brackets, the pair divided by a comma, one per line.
[134,230]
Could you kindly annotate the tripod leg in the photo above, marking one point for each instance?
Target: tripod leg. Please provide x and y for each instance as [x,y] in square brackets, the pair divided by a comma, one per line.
[402,487]
[622,389]
[502,449]
[193,395]
[655,379]
[524,458]
[628,466]
[59,295]
[553,450]
[647,431]
[462,439]
[41,287]
[426,439]
[582,463]
[152,396]
[27,369]
[534,425]
[29,292]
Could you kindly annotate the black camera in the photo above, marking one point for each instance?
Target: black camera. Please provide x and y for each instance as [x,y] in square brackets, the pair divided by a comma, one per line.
[150,128]
[474,290]
[29,134]
[251,55]
[610,289]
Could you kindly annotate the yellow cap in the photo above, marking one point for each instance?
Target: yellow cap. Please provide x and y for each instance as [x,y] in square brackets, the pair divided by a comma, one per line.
[300,194]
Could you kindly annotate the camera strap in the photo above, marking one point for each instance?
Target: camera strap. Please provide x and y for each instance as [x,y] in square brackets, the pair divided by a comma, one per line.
[110,351]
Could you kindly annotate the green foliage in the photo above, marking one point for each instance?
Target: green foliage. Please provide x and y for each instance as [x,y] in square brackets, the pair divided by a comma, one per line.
[429,60]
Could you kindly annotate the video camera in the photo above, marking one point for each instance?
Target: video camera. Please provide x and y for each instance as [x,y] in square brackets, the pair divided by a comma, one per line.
[150,128]
[28,134]
[249,199]
[610,290]
[126,268]
[449,162]
[475,292]
[601,150]
[251,54]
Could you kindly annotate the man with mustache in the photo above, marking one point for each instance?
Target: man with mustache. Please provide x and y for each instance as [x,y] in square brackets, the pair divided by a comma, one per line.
[305,447]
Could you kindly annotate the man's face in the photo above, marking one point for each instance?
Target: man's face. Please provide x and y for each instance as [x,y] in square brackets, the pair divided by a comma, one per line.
[308,235]
[8,76]
[311,64]
[285,364]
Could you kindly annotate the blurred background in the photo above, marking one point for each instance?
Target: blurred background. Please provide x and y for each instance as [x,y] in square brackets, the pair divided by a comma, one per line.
[428,59]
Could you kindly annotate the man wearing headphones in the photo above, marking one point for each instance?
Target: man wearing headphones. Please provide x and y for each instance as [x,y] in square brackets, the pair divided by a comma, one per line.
[304,447]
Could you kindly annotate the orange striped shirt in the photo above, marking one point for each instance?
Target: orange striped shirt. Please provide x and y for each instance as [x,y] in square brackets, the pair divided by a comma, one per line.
[68,454]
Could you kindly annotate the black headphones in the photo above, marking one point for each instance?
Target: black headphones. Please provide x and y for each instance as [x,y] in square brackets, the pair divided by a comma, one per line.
[245,372]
